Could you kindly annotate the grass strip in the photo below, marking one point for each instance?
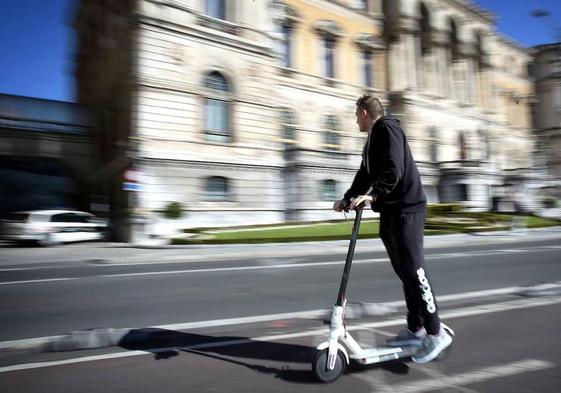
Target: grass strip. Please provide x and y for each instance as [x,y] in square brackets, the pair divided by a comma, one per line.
[445,224]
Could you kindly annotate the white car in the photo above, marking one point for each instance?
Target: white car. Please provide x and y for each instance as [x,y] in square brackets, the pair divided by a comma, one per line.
[50,227]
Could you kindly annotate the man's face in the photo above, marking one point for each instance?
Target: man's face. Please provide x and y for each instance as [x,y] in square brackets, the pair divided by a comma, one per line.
[362,119]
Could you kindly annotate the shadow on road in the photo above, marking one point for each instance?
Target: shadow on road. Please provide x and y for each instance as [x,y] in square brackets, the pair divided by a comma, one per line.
[166,344]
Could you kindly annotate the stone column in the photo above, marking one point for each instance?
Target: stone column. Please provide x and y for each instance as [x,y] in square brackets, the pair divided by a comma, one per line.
[440,52]
[485,86]
[470,80]
[409,30]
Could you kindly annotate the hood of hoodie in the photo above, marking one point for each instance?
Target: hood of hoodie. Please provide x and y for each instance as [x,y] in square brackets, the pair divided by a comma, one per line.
[387,120]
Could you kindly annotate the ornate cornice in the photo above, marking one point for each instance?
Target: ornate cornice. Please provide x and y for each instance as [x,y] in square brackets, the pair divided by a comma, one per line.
[439,37]
[329,28]
[285,14]
[370,41]
[408,24]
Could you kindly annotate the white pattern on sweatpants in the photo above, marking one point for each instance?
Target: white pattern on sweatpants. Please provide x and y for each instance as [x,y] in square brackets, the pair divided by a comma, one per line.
[427,292]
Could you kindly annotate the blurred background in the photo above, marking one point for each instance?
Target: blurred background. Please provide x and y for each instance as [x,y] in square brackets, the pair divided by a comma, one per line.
[160,116]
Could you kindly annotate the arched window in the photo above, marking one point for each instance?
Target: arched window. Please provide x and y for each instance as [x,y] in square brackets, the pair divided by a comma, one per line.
[331,134]
[288,125]
[216,9]
[216,189]
[329,190]
[217,108]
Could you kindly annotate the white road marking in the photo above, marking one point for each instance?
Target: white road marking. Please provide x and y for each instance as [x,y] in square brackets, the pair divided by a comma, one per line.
[244,268]
[472,377]
[18,269]
[552,247]
[38,281]
[267,266]
[30,366]
[310,314]
[325,312]
[180,259]
[461,312]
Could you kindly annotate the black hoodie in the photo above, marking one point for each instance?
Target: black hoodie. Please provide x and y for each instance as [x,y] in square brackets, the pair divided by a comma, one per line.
[388,171]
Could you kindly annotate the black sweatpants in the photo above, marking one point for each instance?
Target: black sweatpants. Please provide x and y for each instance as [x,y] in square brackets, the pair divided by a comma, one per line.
[402,234]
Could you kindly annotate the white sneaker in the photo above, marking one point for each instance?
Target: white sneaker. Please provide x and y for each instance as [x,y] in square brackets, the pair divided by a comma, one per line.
[432,346]
[407,338]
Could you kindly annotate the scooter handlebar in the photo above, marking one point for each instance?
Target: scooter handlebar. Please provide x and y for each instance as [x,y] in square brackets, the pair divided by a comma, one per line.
[346,205]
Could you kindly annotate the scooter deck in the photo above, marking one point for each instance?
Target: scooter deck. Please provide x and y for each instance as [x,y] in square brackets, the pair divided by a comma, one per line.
[382,354]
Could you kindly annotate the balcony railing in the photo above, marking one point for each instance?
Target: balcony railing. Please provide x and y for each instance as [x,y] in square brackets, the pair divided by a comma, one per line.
[462,164]
[217,24]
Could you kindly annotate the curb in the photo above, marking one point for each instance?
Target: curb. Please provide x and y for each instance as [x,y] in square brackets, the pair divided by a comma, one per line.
[85,339]
[311,248]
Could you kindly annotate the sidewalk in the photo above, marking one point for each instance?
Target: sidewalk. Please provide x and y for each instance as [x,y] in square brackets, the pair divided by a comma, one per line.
[269,250]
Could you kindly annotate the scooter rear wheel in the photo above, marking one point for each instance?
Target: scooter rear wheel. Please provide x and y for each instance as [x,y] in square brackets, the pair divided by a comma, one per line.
[319,366]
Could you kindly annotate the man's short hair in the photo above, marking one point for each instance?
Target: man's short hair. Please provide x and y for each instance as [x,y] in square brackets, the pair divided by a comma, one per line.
[371,104]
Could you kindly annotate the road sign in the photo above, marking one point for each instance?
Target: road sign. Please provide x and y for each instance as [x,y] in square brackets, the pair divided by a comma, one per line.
[132,175]
[129,186]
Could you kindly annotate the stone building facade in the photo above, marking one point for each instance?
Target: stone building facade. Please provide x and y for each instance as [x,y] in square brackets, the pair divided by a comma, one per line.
[460,99]
[546,70]
[243,111]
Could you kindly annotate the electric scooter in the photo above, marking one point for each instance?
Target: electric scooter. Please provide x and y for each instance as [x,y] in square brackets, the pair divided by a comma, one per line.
[334,355]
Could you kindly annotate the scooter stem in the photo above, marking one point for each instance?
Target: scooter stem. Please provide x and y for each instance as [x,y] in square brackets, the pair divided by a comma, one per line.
[349,260]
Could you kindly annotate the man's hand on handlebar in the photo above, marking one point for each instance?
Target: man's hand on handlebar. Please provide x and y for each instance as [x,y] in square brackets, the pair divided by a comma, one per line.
[341,205]
[360,201]
[344,205]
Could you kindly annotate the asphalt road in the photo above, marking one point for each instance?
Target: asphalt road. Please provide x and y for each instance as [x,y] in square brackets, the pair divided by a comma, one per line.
[504,351]
[507,341]
[55,299]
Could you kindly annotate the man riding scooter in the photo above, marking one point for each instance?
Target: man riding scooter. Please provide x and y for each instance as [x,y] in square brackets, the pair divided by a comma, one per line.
[389,180]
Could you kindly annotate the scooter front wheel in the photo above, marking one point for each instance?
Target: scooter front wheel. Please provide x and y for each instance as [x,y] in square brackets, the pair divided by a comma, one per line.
[319,366]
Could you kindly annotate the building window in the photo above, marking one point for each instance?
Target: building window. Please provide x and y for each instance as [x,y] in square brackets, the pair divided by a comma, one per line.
[425,25]
[367,68]
[328,31]
[331,135]
[454,42]
[462,192]
[329,57]
[433,145]
[360,4]
[463,146]
[286,46]
[217,189]
[328,190]
[216,9]
[288,126]
[485,144]
[217,108]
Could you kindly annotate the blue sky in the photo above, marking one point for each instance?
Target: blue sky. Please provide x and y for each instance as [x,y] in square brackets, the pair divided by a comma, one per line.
[36,41]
